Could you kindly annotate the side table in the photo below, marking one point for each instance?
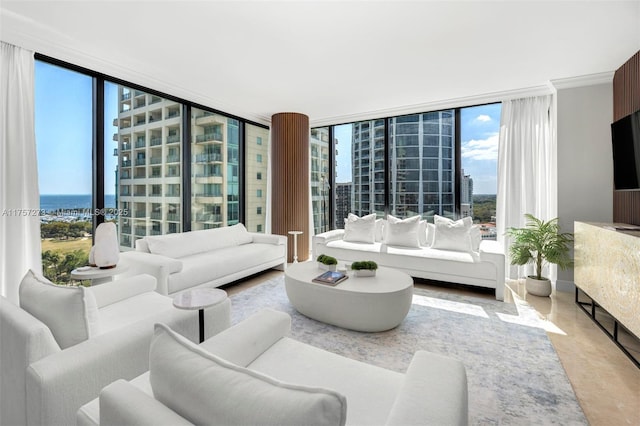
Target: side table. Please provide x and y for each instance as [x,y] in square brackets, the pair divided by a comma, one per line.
[97,275]
[295,244]
[200,299]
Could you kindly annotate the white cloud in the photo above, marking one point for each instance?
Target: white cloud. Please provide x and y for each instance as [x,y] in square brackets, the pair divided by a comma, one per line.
[483,117]
[483,149]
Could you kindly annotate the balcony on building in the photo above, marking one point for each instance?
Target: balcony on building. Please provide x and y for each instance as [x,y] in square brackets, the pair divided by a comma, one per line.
[173,217]
[125,229]
[173,138]
[140,214]
[141,142]
[172,112]
[208,158]
[173,158]
[140,119]
[126,163]
[141,161]
[209,137]
[156,140]
[141,231]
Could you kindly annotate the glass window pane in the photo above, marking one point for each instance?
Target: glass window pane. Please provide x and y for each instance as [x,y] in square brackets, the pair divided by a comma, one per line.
[214,170]
[64,141]
[256,145]
[146,139]
[320,188]
[479,130]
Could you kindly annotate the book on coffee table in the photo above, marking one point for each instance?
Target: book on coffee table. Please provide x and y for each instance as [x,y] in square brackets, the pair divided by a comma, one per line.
[330,278]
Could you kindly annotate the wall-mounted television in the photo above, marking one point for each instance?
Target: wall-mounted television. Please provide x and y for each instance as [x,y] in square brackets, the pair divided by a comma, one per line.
[625,138]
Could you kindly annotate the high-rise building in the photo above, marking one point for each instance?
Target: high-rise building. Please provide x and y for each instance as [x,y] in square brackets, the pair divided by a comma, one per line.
[320,187]
[422,169]
[343,203]
[466,195]
[150,168]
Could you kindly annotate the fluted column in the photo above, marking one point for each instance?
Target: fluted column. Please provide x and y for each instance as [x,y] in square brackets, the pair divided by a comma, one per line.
[290,179]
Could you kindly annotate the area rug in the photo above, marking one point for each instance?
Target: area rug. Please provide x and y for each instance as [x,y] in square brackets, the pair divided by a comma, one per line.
[514,374]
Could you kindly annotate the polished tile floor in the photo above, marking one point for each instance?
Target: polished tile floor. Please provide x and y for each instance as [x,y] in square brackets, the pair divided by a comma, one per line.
[606,382]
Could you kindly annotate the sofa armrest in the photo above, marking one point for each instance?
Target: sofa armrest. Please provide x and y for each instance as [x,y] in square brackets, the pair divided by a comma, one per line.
[58,385]
[122,289]
[153,264]
[278,240]
[247,340]
[325,237]
[121,403]
[434,392]
[493,252]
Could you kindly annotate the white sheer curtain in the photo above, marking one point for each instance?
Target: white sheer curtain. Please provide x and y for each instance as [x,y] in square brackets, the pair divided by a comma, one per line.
[527,168]
[19,195]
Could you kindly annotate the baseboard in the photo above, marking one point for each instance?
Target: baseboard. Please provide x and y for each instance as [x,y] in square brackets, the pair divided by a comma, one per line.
[565,286]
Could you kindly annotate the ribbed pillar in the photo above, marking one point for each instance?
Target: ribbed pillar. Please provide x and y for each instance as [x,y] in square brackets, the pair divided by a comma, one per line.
[290,179]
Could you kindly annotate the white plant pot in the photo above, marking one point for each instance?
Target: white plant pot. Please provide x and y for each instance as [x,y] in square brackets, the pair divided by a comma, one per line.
[365,272]
[538,287]
[327,267]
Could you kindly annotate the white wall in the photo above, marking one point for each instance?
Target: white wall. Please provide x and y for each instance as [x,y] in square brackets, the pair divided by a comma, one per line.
[585,169]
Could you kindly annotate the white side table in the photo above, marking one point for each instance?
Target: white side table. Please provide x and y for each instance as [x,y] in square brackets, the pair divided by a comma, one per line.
[295,244]
[97,275]
[200,299]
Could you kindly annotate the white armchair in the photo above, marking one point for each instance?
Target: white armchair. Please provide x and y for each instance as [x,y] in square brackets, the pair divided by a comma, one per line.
[53,363]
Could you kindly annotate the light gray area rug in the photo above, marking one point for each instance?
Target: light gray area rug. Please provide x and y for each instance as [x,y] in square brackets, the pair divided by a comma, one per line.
[514,374]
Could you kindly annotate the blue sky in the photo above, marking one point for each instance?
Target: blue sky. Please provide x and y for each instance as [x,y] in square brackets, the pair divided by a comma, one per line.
[63,105]
[479,137]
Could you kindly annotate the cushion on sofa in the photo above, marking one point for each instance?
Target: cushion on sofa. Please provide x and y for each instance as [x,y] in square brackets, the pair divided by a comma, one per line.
[425,233]
[476,238]
[71,313]
[452,234]
[380,224]
[402,232]
[206,389]
[360,229]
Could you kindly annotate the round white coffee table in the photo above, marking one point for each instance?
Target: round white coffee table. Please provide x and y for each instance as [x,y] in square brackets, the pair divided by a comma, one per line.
[200,299]
[359,303]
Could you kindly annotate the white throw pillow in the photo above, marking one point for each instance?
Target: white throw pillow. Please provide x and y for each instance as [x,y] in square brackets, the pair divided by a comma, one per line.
[206,389]
[360,229]
[425,233]
[71,313]
[380,224]
[476,238]
[402,232]
[452,235]
[185,244]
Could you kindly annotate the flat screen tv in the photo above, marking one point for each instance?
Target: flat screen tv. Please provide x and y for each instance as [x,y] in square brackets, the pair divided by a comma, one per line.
[625,138]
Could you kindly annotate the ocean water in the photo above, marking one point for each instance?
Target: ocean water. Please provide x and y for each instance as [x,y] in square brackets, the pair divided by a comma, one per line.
[51,202]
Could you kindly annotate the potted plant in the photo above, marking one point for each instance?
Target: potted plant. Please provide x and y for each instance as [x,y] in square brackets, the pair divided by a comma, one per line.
[364,268]
[539,243]
[327,263]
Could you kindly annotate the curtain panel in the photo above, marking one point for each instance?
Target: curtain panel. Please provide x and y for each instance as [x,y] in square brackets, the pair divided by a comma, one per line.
[20,245]
[527,169]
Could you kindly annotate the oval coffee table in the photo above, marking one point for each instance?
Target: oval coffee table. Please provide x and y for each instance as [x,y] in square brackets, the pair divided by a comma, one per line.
[359,303]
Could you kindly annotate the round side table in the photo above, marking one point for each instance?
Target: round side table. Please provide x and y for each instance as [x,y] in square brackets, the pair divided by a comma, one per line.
[295,244]
[200,299]
[97,275]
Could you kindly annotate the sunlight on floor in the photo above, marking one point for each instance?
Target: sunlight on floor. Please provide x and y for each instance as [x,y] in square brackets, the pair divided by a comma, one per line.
[448,305]
[548,326]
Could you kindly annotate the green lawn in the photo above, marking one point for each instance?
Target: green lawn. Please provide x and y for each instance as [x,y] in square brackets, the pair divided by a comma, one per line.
[65,246]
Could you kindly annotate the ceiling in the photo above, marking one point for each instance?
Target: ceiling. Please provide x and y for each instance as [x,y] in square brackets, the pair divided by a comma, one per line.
[335,61]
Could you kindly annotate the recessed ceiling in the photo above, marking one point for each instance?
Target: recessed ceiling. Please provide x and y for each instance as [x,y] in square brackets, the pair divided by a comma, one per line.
[330,60]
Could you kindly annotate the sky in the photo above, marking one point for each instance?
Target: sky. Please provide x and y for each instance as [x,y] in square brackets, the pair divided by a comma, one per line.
[479,139]
[63,108]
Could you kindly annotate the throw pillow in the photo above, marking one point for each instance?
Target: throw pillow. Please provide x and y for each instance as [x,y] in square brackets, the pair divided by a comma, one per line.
[402,232]
[425,233]
[452,235]
[206,389]
[476,238]
[71,313]
[380,223]
[360,229]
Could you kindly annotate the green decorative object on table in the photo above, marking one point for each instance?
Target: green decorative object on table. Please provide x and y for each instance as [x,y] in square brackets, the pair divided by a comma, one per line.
[327,262]
[364,268]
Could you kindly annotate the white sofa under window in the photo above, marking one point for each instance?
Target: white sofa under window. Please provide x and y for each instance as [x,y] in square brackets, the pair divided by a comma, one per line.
[208,258]
[447,250]
[64,344]
[253,374]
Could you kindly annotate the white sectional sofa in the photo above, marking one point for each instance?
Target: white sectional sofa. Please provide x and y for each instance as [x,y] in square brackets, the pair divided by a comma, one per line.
[252,373]
[450,251]
[208,258]
[62,345]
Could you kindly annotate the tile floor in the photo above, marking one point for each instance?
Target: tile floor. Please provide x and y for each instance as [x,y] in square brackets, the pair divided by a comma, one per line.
[606,382]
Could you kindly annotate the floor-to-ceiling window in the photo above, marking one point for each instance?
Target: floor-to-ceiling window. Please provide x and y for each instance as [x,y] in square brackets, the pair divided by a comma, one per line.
[320,187]
[418,164]
[153,164]
[64,127]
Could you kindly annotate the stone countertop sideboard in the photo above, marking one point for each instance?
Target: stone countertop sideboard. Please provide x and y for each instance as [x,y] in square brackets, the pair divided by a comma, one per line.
[607,269]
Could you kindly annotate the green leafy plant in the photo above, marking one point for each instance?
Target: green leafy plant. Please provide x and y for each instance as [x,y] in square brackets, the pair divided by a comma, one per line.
[327,260]
[364,264]
[540,242]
